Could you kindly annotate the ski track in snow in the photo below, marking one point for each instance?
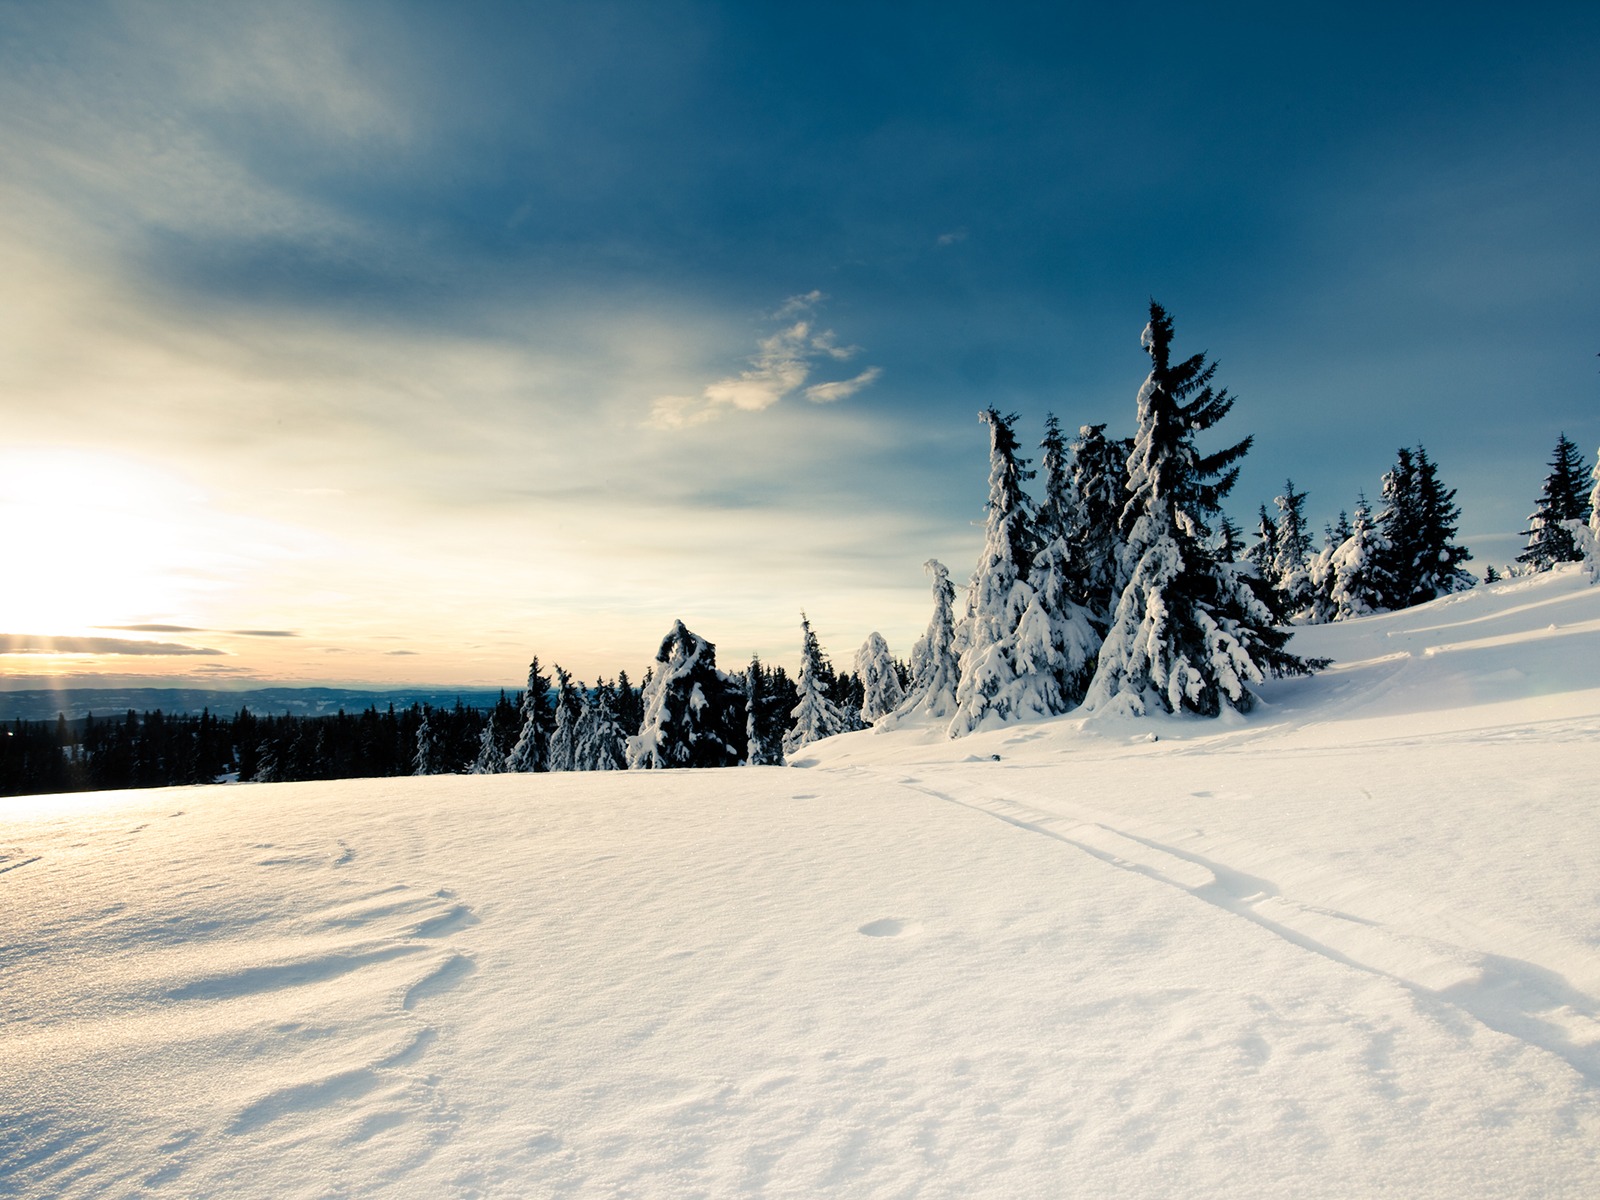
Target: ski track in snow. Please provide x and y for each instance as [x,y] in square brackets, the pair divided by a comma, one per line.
[1533,1002]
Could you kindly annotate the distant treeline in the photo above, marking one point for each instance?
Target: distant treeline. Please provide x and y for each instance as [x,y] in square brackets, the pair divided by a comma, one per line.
[156,749]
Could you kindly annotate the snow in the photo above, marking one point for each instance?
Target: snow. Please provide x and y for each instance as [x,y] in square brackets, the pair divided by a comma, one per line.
[1347,945]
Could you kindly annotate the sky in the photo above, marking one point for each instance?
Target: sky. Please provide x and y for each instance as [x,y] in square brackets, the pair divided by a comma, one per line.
[393,343]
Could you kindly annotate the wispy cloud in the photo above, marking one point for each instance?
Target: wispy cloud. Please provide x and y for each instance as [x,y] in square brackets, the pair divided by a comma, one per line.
[827,393]
[951,238]
[782,363]
[23,643]
[263,633]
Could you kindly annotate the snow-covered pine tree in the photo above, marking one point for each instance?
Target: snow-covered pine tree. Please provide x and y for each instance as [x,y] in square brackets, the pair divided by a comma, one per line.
[429,758]
[491,760]
[599,744]
[1587,537]
[881,692]
[531,752]
[935,669]
[1291,551]
[563,742]
[693,713]
[1099,474]
[994,685]
[1359,582]
[1188,633]
[815,716]
[1565,499]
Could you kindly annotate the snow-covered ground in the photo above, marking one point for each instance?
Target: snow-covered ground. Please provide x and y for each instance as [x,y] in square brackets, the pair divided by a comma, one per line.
[1347,947]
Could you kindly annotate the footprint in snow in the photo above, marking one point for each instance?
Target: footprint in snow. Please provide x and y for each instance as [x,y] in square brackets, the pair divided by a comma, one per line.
[888,927]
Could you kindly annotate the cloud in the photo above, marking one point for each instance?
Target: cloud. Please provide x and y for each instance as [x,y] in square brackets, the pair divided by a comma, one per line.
[265,633]
[951,238]
[827,393]
[399,653]
[23,643]
[782,363]
[796,305]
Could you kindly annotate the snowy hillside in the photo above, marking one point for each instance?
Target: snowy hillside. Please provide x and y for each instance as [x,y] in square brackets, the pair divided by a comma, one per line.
[1347,946]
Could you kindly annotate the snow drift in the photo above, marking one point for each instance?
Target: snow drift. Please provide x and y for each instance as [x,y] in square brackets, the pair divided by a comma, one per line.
[1348,945]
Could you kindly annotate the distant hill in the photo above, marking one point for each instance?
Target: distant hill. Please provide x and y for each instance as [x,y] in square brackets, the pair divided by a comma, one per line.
[43,704]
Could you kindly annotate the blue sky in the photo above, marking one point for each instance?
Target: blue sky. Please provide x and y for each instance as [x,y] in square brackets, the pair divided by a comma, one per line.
[436,335]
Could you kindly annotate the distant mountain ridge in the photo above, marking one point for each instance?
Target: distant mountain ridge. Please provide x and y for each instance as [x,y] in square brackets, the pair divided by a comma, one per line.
[42,704]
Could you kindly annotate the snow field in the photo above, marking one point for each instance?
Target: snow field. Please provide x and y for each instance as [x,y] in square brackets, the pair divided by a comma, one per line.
[1347,947]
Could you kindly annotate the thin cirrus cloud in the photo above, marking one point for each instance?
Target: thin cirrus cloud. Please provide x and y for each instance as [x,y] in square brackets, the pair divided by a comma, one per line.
[261,633]
[780,367]
[22,643]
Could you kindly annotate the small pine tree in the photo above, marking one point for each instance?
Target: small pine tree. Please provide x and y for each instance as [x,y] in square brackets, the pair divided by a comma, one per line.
[881,692]
[1188,633]
[693,713]
[1099,475]
[599,743]
[1291,551]
[531,752]
[428,759]
[1550,533]
[1359,579]
[935,668]
[563,743]
[815,716]
[1490,575]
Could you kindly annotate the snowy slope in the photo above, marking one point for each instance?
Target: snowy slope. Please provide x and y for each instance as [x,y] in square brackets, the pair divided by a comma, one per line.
[1348,946]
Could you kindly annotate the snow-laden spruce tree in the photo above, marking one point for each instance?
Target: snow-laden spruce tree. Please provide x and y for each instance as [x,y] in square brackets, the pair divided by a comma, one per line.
[1565,499]
[429,757]
[1188,633]
[491,760]
[693,713]
[881,692]
[532,750]
[935,667]
[599,744]
[563,742]
[996,684]
[1098,468]
[1291,552]
[1587,536]
[1359,579]
[815,716]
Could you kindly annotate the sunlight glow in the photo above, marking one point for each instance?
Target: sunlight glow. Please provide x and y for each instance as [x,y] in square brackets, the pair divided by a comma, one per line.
[93,540]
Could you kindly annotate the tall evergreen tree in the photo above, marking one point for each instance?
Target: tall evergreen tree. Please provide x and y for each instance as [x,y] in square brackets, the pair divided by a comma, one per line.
[531,752]
[1291,551]
[935,668]
[599,743]
[693,713]
[1093,514]
[815,716]
[429,759]
[1419,524]
[563,743]
[1188,633]
[991,686]
[1551,536]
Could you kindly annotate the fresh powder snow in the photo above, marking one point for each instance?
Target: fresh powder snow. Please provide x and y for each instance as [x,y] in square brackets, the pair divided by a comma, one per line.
[1346,945]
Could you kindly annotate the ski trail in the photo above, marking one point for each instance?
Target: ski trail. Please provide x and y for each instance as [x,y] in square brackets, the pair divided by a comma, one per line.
[1523,999]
